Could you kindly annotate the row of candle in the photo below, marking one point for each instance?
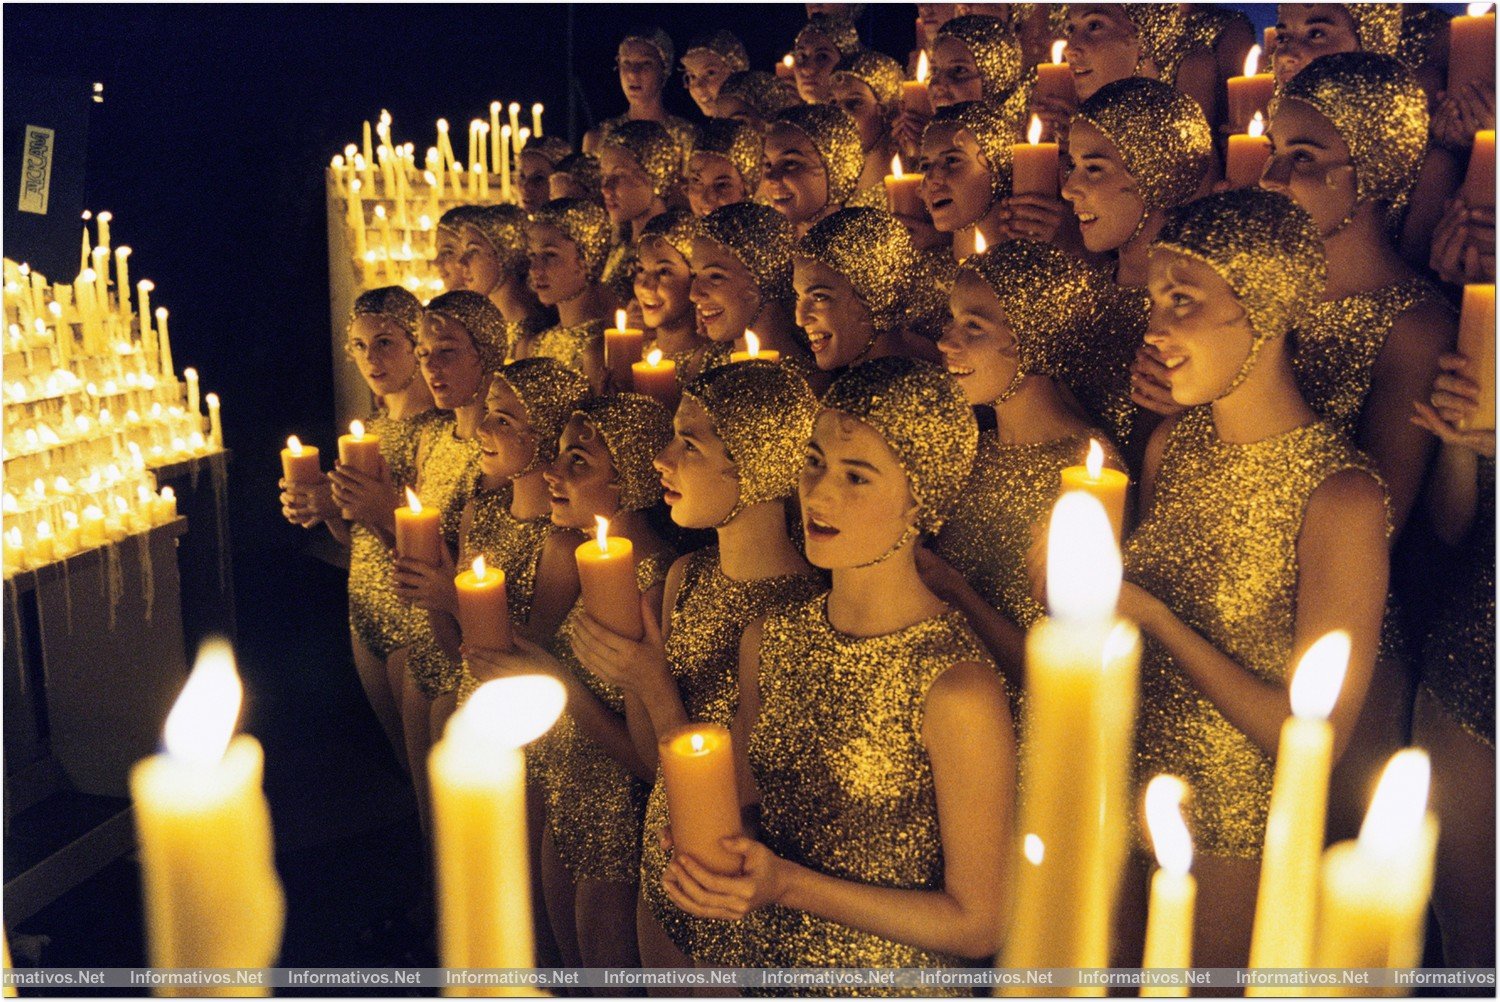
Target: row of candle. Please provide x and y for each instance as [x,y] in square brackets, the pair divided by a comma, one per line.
[104,520]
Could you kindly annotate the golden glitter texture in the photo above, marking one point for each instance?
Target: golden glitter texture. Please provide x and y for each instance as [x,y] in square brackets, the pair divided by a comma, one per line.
[837,29]
[675,227]
[928,287]
[992,130]
[1219,547]
[392,302]
[872,249]
[836,138]
[550,392]
[658,40]
[584,223]
[583,168]
[877,71]
[553,149]
[739,143]
[651,146]
[504,226]
[996,52]
[570,345]
[457,216]
[1205,24]
[1377,26]
[1162,32]
[634,428]
[760,238]
[1422,26]
[766,94]
[481,318]
[1161,135]
[922,414]
[726,46]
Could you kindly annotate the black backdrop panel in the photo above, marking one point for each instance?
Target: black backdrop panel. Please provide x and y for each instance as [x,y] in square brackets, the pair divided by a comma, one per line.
[46,143]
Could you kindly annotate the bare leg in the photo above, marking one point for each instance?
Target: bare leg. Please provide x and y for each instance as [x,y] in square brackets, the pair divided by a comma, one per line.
[658,950]
[443,707]
[605,917]
[548,953]
[375,680]
[1379,733]
[557,885]
[416,711]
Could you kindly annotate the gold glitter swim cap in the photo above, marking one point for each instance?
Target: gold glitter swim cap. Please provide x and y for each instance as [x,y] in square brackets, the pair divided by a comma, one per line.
[634,428]
[726,46]
[836,138]
[658,40]
[1161,135]
[553,149]
[766,94]
[1380,111]
[922,414]
[760,238]
[996,52]
[1265,246]
[872,249]
[458,216]
[392,302]
[504,226]
[481,318]
[738,142]
[763,411]
[877,71]
[584,223]
[1377,26]
[1046,294]
[583,168]
[550,392]
[676,228]
[994,133]
[1163,33]
[840,32]
[651,146]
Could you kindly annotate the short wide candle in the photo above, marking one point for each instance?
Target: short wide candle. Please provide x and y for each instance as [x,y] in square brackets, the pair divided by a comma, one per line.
[299,463]
[622,349]
[360,450]
[419,531]
[483,613]
[606,578]
[1108,486]
[656,377]
[697,767]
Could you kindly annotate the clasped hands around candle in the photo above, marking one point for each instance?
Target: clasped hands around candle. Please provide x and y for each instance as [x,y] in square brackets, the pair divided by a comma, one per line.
[637,666]
[427,586]
[370,500]
[307,505]
[697,890]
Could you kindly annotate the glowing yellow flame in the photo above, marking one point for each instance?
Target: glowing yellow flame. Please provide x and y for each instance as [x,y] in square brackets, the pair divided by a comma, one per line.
[786,60]
[168,494]
[494,107]
[1083,563]
[478,567]
[1320,675]
[980,243]
[1034,132]
[896,170]
[337,162]
[1094,464]
[1252,61]
[212,400]
[1034,849]
[1257,126]
[537,109]
[43,530]
[379,212]
[122,252]
[602,532]
[619,320]
[1479,9]
[696,741]
[442,125]
[752,344]
[1400,802]
[413,503]
[653,357]
[1057,51]
[923,71]
[508,712]
[294,445]
[357,429]
[1169,833]
[88,275]
[514,108]
[149,286]
[202,720]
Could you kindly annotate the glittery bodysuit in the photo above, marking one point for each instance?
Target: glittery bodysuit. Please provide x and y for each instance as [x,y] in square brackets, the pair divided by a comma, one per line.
[1219,547]
[595,804]
[709,614]
[845,782]
[569,345]
[1093,361]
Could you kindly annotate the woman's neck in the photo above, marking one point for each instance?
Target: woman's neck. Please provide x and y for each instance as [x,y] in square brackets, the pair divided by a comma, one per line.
[881,598]
[1036,413]
[581,308]
[877,163]
[1361,257]
[677,335]
[639,222]
[1134,255]
[528,497]
[515,302]
[415,399]
[647,109]
[754,544]
[466,419]
[1266,404]
[829,208]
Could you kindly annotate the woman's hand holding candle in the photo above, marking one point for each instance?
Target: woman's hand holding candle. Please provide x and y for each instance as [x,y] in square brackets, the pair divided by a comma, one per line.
[700,891]
[1031,217]
[369,499]
[637,666]
[427,586]
[527,658]
[307,505]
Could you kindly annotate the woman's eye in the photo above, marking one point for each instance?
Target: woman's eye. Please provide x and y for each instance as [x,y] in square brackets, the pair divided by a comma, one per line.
[688,446]
[856,479]
[1316,34]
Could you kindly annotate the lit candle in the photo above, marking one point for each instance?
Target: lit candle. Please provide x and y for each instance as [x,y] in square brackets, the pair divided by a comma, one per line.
[1373,906]
[478,778]
[754,351]
[914,96]
[104,220]
[14,555]
[1471,47]
[703,802]
[1476,341]
[212,897]
[536,120]
[622,349]
[190,376]
[606,578]
[101,276]
[360,450]
[299,463]
[1248,155]
[903,191]
[1479,182]
[505,187]
[419,531]
[163,342]
[215,421]
[122,281]
[656,377]
[1110,487]
[1285,905]
[445,147]
[495,136]
[368,145]
[483,615]
[166,505]
[1055,79]
[513,110]
[1174,892]
[83,260]
[1081,671]
[784,68]
[1250,94]
[91,531]
[1034,164]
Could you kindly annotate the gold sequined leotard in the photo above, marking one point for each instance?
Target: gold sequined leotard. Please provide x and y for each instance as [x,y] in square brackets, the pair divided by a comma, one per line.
[1093,360]
[569,345]
[595,805]
[1458,664]
[519,334]
[845,782]
[708,615]
[1204,26]
[619,271]
[382,621]
[1219,547]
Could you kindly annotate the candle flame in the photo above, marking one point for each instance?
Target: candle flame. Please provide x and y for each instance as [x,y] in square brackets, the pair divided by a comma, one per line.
[896,170]
[1320,675]
[1479,9]
[146,284]
[509,712]
[70,520]
[1094,464]
[1257,126]
[168,494]
[1083,563]
[1034,849]
[88,275]
[980,243]
[752,344]
[413,503]
[122,252]
[1252,61]
[494,107]
[212,399]
[923,70]
[106,216]
[161,312]
[294,445]
[357,429]
[653,357]
[442,125]
[786,60]
[337,161]
[537,109]
[1399,805]
[1034,132]
[1057,51]
[478,567]
[1170,838]
[619,320]
[601,533]
[202,720]
[696,741]
[44,530]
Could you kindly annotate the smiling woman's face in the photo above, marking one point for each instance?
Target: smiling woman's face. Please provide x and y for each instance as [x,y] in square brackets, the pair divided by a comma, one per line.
[723,291]
[1103,46]
[795,180]
[1198,326]
[662,281]
[1105,197]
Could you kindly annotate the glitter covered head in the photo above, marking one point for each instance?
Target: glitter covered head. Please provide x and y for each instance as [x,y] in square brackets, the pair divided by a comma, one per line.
[553,149]
[676,227]
[1163,138]
[658,40]
[872,249]
[992,130]
[836,138]
[764,413]
[634,428]
[765,94]
[726,46]
[1377,26]
[504,226]
[550,392]
[459,215]
[839,31]
[393,303]
[583,168]
[584,223]
[481,318]
[651,146]
[995,49]
[736,142]
[1380,111]
[1162,30]
[1265,246]
[922,414]
[760,238]
[877,71]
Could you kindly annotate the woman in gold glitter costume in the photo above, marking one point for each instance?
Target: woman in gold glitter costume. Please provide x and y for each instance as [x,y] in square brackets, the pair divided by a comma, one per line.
[638,164]
[381,339]
[974,58]
[1228,34]
[733,462]
[742,280]
[538,159]
[872,730]
[868,87]
[1262,529]
[1115,41]
[450,245]
[493,262]
[593,779]
[1136,149]
[576,176]
[707,63]
[824,42]
[663,285]
[755,97]
[644,60]
[1004,347]
[812,163]
[1454,717]
[567,240]
[724,165]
